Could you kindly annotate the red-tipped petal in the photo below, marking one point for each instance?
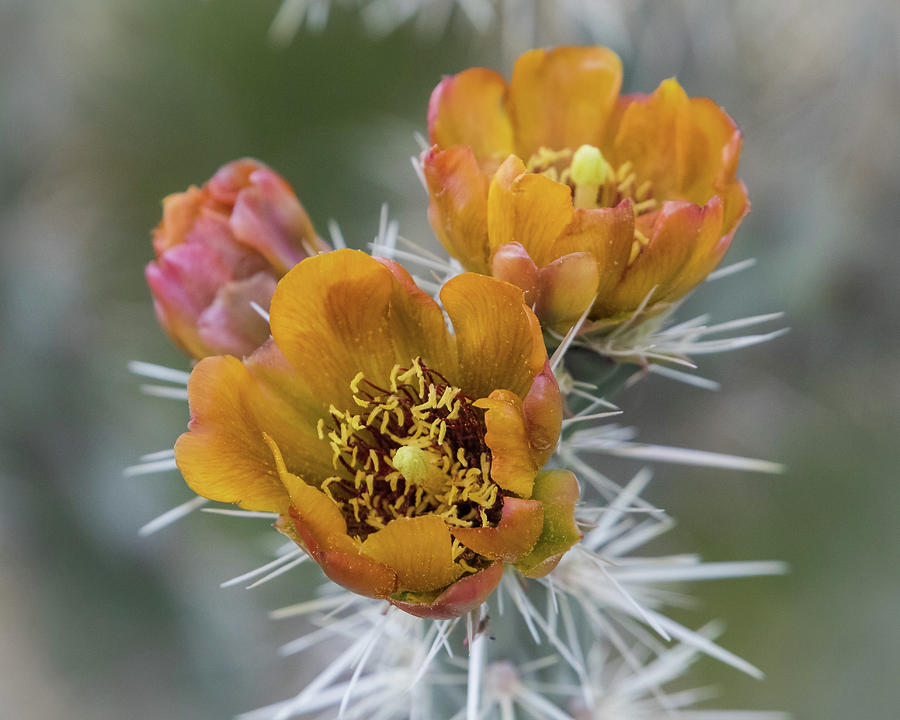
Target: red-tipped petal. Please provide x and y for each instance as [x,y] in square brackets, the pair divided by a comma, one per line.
[231,178]
[458,190]
[470,109]
[458,599]
[514,536]
[567,287]
[543,415]
[558,491]
[268,217]
[512,264]
[359,573]
[230,325]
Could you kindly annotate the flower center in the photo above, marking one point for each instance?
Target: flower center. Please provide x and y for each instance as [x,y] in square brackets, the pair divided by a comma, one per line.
[596,183]
[413,448]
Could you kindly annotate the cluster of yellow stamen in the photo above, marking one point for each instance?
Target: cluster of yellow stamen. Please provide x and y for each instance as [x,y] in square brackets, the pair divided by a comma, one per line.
[596,183]
[413,448]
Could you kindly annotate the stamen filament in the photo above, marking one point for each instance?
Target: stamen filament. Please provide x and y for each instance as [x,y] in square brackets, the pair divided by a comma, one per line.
[416,448]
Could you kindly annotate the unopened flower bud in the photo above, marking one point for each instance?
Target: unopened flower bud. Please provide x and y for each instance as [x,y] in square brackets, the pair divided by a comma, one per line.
[222,248]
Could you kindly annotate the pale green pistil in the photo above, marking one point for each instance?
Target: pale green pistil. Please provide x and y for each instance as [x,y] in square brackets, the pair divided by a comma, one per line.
[589,172]
[418,467]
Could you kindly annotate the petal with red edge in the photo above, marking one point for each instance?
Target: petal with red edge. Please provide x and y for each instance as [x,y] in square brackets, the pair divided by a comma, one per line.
[268,217]
[646,137]
[470,109]
[606,233]
[543,415]
[462,596]
[211,229]
[359,573]
[231,178]
[514,536]
[674,234]
[230,324]
[736,207]
[512,263]
[457,210]
[568,286]
[708,146]
[316,517]
[704,254]
[184,282]
[558,492]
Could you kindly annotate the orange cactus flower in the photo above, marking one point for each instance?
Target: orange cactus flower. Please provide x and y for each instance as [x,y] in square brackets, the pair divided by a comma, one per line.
[576,194]
[406,459]
[220,247]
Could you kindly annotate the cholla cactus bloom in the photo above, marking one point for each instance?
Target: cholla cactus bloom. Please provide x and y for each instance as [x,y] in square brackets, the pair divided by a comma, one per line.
[220,247]
[578,195]
[405,459]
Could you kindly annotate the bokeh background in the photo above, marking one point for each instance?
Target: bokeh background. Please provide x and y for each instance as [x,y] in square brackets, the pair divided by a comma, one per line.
[109,105]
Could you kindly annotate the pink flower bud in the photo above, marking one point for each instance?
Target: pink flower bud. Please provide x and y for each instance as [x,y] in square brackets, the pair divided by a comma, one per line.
[220,248]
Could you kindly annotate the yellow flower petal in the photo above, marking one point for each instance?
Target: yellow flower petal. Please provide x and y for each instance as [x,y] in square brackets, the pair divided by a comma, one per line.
[671,244]
[342,313]
[708,146]
[318,519]
[647,137]
[707,248]
[512,465]
[568,286]
[417,549]
[470,109]
[688,147]
[527,208]
[457,210]
[736,206]
[330,317]
[419,326]
[561,98]
[223,457]
[606,233]
[359,573]
[498,338]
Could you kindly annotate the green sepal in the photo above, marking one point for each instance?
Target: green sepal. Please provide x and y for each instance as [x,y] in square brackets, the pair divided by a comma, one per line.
[558,492]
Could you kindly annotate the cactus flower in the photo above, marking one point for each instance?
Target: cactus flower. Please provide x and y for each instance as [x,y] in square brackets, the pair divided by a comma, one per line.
[405,458]
[220,247]
[580,196]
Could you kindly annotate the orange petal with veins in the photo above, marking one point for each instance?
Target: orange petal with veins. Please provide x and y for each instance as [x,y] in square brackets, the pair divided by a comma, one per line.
[514,536]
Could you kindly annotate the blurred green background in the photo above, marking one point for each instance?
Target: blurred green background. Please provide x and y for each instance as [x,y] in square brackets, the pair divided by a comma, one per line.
[107,106]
